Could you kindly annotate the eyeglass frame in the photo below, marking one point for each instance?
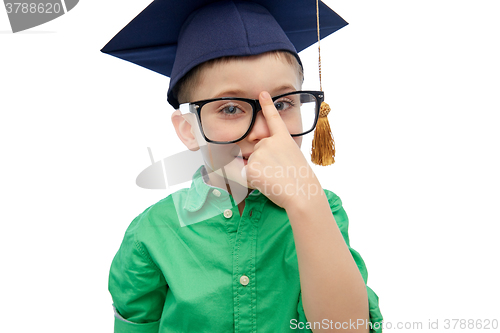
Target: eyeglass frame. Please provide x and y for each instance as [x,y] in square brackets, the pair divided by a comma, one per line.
[195,107]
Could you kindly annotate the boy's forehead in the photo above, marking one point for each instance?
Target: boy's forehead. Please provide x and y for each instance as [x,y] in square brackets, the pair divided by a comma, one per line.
[246,76]
[172,37]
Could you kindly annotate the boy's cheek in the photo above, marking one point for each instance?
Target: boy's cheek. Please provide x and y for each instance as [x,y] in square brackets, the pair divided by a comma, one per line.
[219,156]
[298,140]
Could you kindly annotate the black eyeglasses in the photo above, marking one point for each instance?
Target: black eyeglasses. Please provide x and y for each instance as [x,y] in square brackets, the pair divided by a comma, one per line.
[230,119]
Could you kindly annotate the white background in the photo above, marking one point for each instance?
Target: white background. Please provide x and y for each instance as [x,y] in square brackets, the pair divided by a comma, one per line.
[414,87]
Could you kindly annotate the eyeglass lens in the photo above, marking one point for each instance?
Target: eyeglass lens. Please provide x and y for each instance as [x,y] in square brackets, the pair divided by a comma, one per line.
[229,120]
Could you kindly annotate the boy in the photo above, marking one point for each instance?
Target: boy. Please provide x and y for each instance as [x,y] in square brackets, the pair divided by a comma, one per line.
[254,245]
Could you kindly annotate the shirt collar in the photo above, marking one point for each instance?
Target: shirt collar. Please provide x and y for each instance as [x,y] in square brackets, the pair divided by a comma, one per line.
[200,189]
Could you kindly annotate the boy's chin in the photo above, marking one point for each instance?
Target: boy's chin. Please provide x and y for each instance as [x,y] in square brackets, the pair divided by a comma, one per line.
[232,172]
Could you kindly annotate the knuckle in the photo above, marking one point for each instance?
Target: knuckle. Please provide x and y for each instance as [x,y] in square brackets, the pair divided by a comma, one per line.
[263,142]
[255,155]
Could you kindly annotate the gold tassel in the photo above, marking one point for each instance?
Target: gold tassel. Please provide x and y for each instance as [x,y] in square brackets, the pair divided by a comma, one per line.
[323,145]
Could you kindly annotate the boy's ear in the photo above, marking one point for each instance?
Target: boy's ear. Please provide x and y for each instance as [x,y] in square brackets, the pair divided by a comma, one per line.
[185,130]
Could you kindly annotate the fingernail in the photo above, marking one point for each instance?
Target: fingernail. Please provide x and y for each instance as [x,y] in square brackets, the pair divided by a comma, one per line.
[265,95]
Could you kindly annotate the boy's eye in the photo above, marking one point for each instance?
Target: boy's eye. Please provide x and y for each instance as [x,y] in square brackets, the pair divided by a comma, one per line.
[230,109]
[283,104]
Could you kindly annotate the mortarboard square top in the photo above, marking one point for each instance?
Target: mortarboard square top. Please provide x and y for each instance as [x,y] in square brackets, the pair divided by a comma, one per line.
[172,37]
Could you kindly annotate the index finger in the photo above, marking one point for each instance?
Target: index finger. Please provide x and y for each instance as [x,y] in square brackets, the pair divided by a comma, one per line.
[274,122]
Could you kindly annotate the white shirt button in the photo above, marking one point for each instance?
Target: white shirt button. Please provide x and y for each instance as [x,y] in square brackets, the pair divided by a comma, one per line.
[228,213]
[216,193]
[244,280]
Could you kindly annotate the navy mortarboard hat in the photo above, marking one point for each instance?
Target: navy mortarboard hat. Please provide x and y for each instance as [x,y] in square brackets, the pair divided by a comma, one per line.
[172,37]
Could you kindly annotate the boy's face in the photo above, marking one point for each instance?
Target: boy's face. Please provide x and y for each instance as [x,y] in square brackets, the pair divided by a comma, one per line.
[244,77]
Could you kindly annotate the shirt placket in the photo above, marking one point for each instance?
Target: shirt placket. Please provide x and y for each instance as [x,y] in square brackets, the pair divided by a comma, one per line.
[244,282]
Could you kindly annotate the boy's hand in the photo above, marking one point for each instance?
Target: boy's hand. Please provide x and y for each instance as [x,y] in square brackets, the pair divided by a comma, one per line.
[277,167]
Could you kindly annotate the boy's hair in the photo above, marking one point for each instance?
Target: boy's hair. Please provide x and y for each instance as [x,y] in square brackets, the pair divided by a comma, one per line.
[191,79]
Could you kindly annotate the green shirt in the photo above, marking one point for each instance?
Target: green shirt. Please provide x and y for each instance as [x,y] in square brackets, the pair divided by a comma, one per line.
[190,263]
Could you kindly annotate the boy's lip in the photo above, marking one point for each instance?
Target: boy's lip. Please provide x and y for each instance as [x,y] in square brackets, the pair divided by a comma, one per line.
[245,156]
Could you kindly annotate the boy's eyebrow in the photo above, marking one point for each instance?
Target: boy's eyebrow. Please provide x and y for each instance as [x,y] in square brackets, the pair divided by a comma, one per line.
[230,93]
[238,93]
[283,89]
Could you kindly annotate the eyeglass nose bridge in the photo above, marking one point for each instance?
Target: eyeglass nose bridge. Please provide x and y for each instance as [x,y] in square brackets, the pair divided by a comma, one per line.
[257,107]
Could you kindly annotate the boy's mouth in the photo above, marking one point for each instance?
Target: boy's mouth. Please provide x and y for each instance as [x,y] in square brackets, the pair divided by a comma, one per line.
[244,158]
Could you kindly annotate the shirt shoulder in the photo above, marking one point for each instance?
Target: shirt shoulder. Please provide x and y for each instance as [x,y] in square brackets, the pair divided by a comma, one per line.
[159,215]
[333,199]
[339,214]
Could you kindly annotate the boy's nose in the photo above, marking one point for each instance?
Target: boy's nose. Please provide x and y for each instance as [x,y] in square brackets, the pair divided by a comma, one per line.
[260,130]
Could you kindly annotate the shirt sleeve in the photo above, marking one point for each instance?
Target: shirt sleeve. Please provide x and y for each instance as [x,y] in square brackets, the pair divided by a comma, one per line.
[343,223]
[137,286]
